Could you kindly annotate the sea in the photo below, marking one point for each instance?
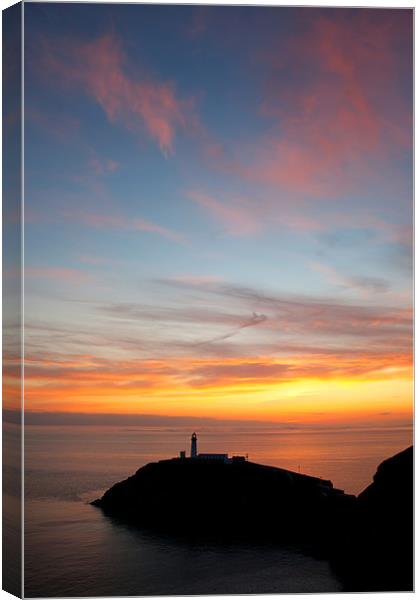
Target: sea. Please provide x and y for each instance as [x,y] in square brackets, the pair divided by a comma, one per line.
[72,549]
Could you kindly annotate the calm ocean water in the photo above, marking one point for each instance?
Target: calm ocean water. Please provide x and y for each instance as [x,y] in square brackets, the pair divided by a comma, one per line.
[72,549]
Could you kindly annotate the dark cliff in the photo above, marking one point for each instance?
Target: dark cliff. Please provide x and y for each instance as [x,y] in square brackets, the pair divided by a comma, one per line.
[374,551]
[368,539]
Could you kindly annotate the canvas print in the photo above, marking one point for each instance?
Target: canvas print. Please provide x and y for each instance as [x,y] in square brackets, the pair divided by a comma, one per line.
[207,356]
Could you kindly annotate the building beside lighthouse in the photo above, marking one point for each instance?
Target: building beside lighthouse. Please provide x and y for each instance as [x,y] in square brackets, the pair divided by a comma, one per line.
[209,456]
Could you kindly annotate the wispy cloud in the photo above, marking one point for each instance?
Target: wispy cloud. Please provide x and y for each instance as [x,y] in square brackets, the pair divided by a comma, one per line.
[240,216]
[65,274]
[103,221]
[195,314]
[236,215]
[128,97]
[293,316]
[86,374]
[251,322]
[336,109]
[360,283]
[197,279]
[102,166]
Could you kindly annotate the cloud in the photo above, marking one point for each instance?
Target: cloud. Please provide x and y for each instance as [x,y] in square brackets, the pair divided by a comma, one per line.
[308,318]
[287,340]
[215,319]
[124,223]
[264,211]
[241,216]
[198,315]
[336,107]
[68,275]
[197,279]
[63,375]
[102,166]
[360,283]
[129,98]
[236,216]
[254,320]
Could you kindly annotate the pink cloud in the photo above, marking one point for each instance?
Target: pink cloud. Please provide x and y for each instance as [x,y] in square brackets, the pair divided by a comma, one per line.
[58,273]
[236,216]
[58,374]
[361,284]
[103,166]
[335,101]
[198,279]
[170,234]
[135,101]
[242,216]
[118,222]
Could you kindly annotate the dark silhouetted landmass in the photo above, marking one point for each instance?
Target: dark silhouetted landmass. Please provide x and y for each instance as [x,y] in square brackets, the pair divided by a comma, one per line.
[368,540]
[242,499]
[374,551]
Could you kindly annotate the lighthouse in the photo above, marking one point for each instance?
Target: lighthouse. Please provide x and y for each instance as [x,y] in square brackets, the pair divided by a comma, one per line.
[194,445]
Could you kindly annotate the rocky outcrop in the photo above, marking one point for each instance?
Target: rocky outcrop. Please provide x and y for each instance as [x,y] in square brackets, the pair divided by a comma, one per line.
[368,540]
[243,499]
[375,549]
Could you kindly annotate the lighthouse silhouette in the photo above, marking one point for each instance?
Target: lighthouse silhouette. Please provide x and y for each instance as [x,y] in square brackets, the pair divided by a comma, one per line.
[194,445]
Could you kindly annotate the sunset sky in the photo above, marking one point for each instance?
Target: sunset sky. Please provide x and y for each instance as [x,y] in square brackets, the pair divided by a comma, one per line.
[218,209]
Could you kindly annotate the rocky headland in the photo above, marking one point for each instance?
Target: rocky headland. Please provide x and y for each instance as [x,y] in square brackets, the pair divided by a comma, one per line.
[244,499]
[368,539]
[373,548]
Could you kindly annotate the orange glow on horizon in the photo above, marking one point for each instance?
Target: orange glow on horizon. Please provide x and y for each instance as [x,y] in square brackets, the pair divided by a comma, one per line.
[298,388]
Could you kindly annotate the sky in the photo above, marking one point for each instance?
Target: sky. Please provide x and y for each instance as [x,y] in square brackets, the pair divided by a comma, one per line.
[218,212]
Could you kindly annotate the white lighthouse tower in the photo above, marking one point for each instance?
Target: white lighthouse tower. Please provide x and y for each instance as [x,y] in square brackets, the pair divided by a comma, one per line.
[194,445]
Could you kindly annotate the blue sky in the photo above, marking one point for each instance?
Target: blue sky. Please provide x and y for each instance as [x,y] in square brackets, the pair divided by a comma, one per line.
[190,171]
